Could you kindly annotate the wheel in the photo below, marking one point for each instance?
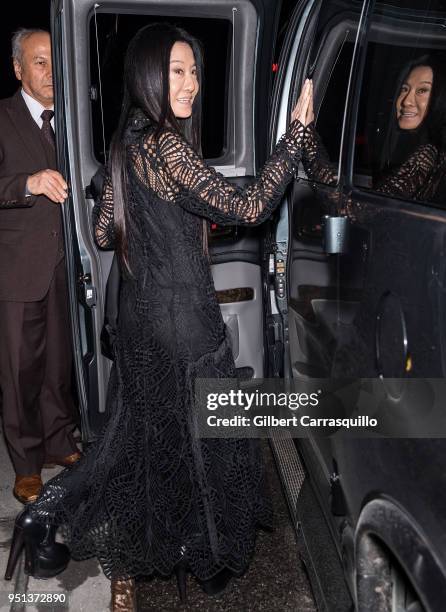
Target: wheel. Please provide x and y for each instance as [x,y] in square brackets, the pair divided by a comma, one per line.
[403,596]
[382,585]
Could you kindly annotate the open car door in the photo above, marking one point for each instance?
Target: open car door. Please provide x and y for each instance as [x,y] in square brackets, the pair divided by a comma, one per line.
[312,302]
[89,43]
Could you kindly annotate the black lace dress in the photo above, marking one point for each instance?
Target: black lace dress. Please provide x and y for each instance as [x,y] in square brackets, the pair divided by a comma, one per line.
[149,492]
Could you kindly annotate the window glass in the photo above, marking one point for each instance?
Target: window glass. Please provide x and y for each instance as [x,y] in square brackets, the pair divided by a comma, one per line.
[400,146]
[115,32]
[329,66]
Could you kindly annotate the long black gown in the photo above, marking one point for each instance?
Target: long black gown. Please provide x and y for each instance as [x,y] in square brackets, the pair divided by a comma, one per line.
[149,492]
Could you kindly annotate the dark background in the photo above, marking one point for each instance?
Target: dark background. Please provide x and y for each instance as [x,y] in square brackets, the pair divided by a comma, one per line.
[36,14]
[14,15]
[113,36]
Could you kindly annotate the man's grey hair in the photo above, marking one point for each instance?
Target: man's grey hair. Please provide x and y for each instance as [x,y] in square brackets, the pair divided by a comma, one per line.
[18,38]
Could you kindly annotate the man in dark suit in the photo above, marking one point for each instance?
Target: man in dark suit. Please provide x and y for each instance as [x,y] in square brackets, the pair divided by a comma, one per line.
[35,350]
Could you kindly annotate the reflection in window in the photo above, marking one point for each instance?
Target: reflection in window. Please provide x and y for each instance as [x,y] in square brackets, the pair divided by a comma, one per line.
[401,130]
[329,66]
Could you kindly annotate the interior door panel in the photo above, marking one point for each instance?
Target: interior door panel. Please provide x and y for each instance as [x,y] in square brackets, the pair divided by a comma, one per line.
[236,268]
[244,318]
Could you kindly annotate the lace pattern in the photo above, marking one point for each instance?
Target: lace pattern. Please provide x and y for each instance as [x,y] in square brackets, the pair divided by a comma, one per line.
[418,177]
[170,169]
[149,493]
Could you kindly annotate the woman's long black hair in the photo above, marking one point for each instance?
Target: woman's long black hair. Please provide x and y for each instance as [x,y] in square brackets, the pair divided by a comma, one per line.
[400,144]
[146,92]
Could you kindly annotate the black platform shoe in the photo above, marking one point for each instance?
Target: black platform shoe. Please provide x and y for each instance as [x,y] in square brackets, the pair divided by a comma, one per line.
[218,583]
[44,557]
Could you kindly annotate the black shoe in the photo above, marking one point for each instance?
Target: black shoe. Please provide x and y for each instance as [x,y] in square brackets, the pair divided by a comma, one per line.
[216,584]
[44,557]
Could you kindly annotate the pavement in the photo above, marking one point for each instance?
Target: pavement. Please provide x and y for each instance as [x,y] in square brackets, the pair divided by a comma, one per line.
[275,579]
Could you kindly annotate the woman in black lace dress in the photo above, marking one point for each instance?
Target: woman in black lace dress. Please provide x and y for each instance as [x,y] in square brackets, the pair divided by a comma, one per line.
[149,496]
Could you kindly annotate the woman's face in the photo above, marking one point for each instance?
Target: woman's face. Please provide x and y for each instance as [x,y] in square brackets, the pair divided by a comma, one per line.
[183,80]
[413,100]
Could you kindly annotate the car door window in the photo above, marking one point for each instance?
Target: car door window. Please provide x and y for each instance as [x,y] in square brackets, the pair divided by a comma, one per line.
[335,28]
[401,127]
[315,307]
[109,37]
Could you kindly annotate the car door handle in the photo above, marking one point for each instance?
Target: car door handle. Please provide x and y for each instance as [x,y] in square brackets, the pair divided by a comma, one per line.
[335,234]
[88,293]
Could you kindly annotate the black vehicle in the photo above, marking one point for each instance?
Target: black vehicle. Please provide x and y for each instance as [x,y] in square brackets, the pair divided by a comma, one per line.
[370,513]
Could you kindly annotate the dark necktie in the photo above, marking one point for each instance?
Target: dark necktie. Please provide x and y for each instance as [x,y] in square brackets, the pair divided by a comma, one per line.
[47,128]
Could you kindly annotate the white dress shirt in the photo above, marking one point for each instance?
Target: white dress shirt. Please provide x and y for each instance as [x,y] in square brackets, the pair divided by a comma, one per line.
[36,109]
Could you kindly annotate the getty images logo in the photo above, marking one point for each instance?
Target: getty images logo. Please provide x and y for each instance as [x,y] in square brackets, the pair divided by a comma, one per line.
[248,400]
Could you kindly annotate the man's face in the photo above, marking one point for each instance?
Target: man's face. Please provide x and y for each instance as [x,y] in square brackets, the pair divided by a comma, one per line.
[35,70]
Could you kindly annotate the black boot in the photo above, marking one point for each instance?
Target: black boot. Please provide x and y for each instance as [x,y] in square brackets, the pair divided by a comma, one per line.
[216,584]
[44,557]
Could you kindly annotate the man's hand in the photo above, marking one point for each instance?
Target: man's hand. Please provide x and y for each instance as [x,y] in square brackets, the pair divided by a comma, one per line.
[49,183]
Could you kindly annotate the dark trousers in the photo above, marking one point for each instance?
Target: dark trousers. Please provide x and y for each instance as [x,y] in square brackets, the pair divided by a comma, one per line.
[35,377]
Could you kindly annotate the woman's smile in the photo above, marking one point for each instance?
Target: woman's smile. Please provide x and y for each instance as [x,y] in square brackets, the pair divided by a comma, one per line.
[183,80]
[413,100]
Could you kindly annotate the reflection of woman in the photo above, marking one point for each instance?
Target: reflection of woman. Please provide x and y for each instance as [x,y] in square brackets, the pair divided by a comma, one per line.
[413,164]
[150,496]
[414,95]
[406,129]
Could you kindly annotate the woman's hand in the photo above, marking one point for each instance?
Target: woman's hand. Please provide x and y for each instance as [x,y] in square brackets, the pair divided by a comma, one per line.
[303,111]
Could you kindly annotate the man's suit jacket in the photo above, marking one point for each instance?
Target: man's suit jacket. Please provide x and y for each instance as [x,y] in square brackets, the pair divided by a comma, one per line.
[31,240]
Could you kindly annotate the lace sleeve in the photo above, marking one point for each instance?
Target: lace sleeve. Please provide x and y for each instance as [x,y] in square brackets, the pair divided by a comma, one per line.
[315,159]
[189,182]
[412,175]
[103,218]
